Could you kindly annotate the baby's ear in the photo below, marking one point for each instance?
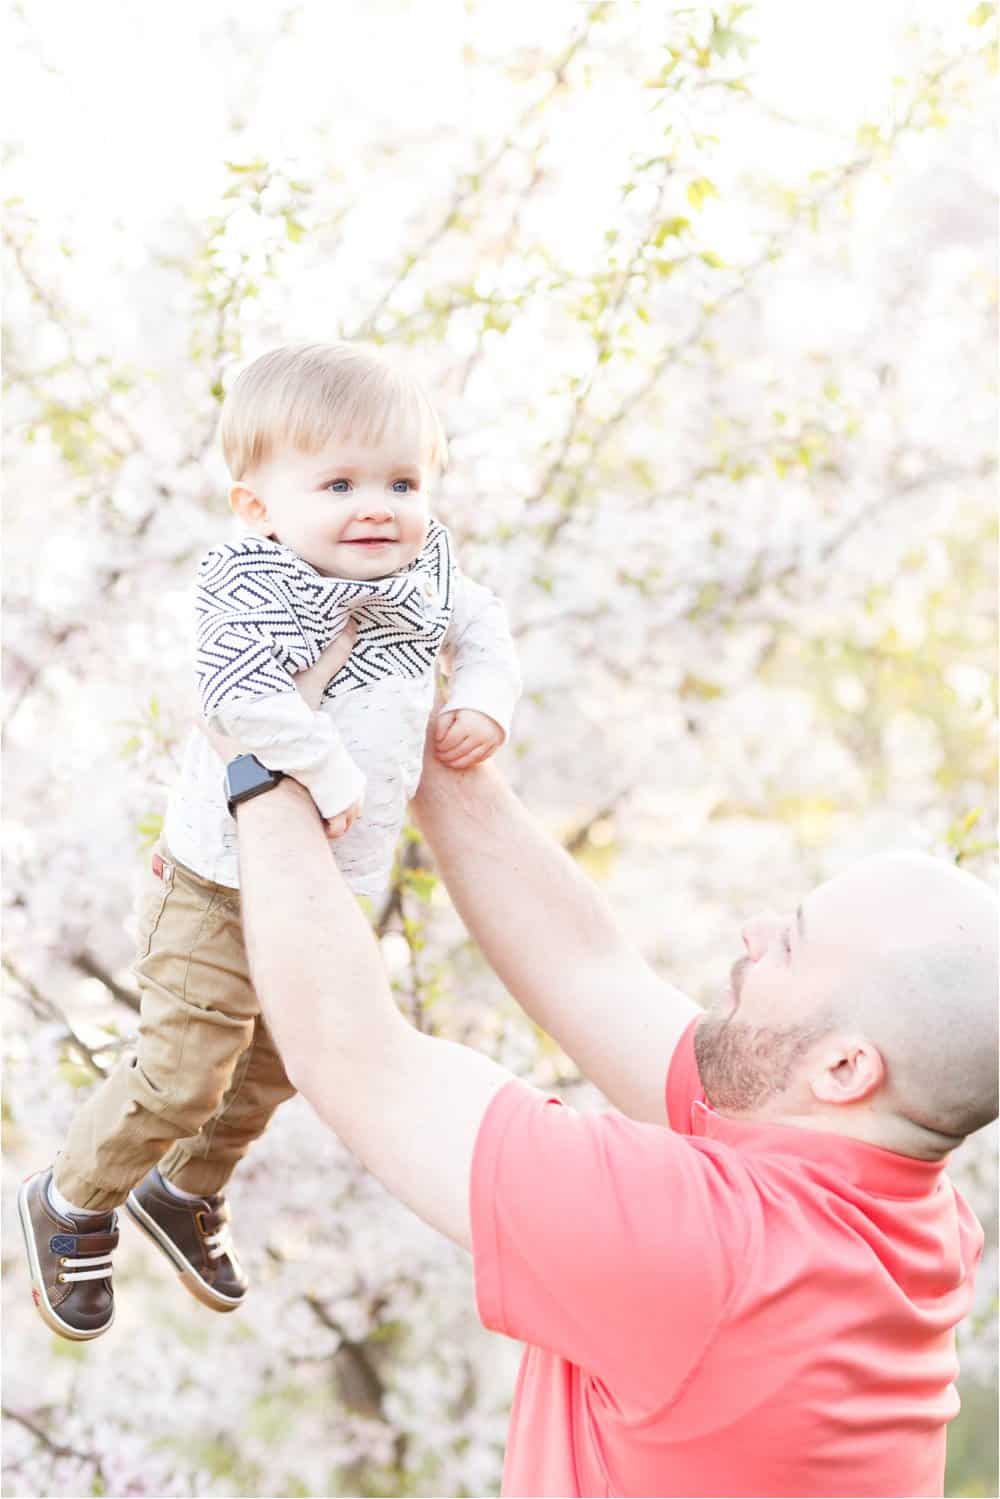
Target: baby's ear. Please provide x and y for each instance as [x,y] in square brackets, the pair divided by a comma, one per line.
[247,504]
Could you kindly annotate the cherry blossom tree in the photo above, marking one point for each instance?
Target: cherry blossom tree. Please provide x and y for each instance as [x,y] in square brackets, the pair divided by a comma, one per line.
[719,386]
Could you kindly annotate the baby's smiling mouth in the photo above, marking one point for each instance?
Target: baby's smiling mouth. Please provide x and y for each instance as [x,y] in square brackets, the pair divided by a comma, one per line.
[370,541]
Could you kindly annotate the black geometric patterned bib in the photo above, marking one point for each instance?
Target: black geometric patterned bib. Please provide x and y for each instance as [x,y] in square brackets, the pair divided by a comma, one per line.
[263,613]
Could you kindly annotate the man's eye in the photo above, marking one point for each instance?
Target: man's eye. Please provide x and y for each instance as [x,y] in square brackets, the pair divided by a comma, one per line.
[403,486]
[339,486]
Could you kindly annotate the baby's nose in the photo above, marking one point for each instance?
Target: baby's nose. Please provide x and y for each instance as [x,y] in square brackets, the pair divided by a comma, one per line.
[376,510]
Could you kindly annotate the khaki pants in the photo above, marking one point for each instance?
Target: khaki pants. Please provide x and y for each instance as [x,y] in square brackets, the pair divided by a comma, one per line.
[206,1077]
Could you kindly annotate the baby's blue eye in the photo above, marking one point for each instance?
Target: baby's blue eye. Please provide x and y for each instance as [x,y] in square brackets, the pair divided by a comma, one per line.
[402,486]
[339,486]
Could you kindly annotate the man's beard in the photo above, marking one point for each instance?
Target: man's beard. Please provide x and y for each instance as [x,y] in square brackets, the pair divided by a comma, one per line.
[743,1066]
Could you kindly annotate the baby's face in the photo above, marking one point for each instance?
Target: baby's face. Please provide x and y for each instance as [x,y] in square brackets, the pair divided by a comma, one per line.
[349,510]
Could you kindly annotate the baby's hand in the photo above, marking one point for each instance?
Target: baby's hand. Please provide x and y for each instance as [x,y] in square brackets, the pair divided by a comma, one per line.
[337,826]
[463,738]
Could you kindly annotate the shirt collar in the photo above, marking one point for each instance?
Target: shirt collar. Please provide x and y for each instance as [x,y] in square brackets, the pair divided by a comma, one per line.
[882,1172]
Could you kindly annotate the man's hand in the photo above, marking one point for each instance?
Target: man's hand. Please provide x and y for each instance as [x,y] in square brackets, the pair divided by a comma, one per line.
[463,738]
[311,683]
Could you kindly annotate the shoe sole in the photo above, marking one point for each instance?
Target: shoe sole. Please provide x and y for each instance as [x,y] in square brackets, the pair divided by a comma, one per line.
[190,1279]
[44,1307]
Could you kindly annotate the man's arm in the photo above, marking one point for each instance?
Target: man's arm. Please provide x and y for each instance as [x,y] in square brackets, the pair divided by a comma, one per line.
[545,929]
[408,1105]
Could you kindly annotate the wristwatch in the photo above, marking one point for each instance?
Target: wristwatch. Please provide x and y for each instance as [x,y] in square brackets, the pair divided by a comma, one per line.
[247,778]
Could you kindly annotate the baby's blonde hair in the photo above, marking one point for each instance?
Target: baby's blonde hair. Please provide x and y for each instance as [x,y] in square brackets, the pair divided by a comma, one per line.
[302,395]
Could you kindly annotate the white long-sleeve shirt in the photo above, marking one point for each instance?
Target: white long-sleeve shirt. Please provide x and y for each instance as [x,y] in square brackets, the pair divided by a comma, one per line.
[262,615]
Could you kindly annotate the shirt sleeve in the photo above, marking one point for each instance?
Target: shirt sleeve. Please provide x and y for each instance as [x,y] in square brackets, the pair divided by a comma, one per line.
[603,1240]
[285,734]
[250,642]
[485,672]
[684,1085]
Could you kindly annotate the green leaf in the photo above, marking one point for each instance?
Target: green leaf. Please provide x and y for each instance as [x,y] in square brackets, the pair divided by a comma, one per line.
[75,1074]
[725,39]
[700,189]
[981,14]
[715,261]
[959,831]
[670,228]
[708,596]
[496,321]
[972,850]
[63,1348]
[422,882]
[149,829]
[700,687]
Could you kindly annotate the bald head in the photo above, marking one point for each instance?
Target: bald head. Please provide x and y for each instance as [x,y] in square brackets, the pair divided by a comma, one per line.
[925,994]
[932,1013]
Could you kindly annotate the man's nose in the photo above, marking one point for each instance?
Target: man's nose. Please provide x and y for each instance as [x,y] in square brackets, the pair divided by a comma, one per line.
[758,933]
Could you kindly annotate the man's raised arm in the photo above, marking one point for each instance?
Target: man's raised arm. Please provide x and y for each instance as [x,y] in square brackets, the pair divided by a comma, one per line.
[410,1106]
[545,929]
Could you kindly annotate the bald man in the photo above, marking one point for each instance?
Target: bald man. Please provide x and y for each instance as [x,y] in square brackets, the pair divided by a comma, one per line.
[744,1278]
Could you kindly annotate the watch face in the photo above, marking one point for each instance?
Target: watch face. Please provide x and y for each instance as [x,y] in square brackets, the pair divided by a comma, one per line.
[245,776]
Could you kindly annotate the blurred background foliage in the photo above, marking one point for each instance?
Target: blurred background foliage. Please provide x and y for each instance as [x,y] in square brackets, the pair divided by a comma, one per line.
[706,296]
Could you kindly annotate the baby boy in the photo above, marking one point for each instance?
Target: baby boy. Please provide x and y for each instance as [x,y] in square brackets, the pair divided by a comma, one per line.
[333,452]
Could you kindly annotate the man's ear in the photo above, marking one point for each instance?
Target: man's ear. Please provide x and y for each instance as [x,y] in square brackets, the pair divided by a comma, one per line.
[850,1070]
[247,504]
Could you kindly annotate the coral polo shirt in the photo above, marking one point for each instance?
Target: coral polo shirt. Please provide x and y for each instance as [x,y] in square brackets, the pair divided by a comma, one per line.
[717,1308]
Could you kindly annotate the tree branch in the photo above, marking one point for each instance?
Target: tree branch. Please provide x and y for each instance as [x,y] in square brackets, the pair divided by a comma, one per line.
[471,184]
[56,1448]
[93,968]
[44,1008]
[775,246]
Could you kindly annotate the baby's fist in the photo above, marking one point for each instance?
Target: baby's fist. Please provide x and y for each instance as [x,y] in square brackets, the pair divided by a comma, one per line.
[337,826]
[463,738]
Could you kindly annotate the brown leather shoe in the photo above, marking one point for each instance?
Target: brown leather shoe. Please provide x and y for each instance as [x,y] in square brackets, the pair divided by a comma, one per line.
[70,1260]
[195,1238]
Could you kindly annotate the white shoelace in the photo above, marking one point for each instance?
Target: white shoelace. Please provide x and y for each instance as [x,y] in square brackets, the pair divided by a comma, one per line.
[220,1243]
[99,1268]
